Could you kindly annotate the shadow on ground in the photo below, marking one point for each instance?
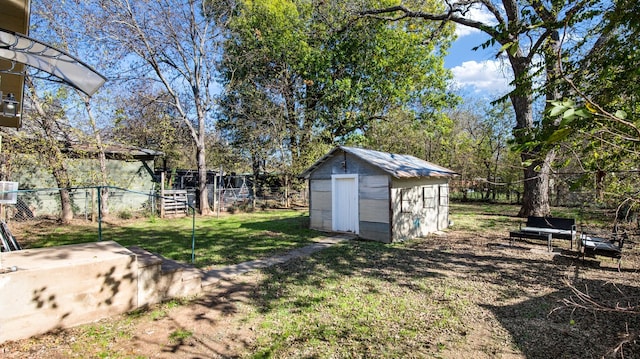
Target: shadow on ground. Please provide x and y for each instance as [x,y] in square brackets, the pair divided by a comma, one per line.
[528,293]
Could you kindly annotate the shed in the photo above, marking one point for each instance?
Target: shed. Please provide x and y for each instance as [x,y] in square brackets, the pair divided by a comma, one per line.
[128,167]
[377,195]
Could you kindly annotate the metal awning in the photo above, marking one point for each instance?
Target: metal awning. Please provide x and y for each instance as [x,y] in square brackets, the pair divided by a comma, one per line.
[14,16]
[18,48]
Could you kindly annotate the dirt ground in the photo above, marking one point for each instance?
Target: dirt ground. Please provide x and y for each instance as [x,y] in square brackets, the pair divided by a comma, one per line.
[220,324]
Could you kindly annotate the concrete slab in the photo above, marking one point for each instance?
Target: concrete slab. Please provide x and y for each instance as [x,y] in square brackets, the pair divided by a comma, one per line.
[63,286]
[59,287]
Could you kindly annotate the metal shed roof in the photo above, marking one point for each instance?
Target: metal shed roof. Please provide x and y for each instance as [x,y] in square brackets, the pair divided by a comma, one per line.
[396,165]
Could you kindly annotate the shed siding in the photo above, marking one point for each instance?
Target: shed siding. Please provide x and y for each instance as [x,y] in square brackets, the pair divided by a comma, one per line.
[374,187]
[353,165]
[320,204]
[319,220]
[320,186]
[375,231]
[414,214]
[374,199]
[374,211]
[373,193]
[381,215]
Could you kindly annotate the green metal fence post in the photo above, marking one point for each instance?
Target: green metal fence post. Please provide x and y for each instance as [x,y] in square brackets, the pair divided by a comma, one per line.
[193,236]
[99,213]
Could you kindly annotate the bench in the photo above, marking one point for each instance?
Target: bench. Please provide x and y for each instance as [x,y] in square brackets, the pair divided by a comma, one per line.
[593,246]
[547,228]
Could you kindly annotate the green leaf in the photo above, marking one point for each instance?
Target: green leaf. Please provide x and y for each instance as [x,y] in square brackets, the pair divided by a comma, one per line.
[555,111]
[584,113]
[621,114]
[566,121]
[568,114]
[559,135]
[513,49]
[527,163]
[505,46]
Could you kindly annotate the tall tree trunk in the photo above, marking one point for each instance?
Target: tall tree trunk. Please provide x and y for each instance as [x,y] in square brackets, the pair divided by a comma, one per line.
[600,175]
[536,185]
[61,175]
[255,166]
[54,156]
[66,214]
[102,160]
[535,199]
[203,193]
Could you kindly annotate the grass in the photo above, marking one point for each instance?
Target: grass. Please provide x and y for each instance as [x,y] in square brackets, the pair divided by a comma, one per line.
[180,335]
[367,298]
[218,241]
[427,297]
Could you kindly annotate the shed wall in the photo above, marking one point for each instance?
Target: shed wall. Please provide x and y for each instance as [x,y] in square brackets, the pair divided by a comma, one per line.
[320,204]
[373,196]
[417,207]
[390,209]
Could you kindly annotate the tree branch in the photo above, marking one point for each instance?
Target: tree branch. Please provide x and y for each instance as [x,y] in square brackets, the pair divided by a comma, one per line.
[455,14]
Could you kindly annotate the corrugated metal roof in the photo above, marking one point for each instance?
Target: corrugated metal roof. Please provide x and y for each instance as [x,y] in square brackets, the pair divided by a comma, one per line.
[397,165]
[114,150]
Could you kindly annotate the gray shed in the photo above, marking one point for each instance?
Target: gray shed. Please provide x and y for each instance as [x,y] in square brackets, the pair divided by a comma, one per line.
[377,195]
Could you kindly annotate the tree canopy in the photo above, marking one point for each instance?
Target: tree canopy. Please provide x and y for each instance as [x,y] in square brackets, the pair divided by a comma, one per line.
[311,71]
[277,83]
[529,38]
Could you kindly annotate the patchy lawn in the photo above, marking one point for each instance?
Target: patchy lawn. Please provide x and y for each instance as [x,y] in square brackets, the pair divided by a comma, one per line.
[229,239]
[464,294]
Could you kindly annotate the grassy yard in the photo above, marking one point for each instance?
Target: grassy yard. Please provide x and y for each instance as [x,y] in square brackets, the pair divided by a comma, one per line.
[464,294]
[229,239]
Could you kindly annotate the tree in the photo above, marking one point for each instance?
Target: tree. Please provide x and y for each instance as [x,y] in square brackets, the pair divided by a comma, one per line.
[600,129]
[323,77]
[45,139]
[252,122]
[426,136]
[492,134]
[145,118]
[56,30]
[173,43]
[527,33]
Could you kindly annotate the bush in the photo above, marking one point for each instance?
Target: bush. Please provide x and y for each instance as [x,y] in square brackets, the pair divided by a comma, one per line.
[125,214]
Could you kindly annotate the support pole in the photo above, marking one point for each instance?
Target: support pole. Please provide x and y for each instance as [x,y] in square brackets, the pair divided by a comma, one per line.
[99,213]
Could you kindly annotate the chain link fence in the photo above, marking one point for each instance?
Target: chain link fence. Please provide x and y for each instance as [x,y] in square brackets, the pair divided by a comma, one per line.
[103,208]
[93,206]
[242,198]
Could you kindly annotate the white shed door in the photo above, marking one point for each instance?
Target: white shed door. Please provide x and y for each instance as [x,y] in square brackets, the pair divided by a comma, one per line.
[345,203]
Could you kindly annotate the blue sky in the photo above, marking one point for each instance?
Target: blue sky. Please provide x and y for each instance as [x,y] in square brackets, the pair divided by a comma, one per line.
[477,72]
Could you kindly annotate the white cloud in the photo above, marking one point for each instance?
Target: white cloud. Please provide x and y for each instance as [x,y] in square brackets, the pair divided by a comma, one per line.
[462,30]
[489,76]
[476,13]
